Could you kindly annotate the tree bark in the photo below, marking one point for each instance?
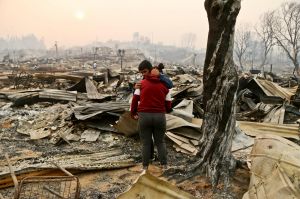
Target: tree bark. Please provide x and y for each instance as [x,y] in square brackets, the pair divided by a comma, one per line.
[296,65]
[220,84]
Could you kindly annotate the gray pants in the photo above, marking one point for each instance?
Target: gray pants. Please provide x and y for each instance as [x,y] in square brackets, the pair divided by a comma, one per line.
[153,124]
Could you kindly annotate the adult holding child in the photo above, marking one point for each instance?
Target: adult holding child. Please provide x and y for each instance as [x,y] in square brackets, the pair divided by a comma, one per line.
[149,104]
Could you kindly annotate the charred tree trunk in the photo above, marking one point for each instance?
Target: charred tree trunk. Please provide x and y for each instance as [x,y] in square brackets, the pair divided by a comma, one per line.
[220,85]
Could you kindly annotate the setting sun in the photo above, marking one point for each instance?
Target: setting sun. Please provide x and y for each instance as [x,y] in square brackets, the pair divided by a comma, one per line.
[79,14]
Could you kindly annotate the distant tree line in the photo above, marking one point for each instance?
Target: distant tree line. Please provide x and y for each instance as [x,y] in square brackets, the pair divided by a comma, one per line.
[278,31]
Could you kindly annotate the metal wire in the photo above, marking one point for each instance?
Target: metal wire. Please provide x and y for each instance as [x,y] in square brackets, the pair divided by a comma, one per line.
[46,187]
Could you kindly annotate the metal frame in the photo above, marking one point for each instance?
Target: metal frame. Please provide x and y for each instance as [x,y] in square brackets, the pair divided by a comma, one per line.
[49,187]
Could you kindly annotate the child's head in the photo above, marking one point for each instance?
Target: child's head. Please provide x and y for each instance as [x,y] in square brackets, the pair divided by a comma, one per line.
[160,67]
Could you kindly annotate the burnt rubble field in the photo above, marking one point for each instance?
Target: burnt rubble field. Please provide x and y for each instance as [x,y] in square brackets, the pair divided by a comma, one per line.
[77,119]
[116,175]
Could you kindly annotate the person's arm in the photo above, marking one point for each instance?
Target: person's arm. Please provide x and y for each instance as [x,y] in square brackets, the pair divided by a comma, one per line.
[137,85]
[162,77]
[166,80]
[134,104]
[168,103]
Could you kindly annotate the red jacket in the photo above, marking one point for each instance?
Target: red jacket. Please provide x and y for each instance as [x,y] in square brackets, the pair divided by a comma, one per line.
[153,95]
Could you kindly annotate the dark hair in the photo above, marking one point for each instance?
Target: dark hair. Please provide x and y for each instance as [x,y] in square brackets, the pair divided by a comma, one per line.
[161,66]
[145,65]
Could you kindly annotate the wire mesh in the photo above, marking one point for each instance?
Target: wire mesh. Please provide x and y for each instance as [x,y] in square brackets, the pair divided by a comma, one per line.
[49,187]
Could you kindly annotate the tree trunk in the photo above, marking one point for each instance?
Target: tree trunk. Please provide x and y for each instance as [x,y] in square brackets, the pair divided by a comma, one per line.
[241,63]
[296,65]
[220,84]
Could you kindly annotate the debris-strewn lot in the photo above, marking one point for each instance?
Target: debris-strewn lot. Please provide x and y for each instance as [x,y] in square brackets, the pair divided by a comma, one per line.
[106,168]
[79,120]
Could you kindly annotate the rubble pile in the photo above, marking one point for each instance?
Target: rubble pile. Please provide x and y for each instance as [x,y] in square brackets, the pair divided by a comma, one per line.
[79,119]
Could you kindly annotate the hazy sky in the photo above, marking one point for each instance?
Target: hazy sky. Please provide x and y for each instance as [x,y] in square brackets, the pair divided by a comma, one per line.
[77,22]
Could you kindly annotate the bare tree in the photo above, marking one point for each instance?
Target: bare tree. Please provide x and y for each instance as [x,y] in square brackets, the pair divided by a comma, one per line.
[286,29]
[242,44]
[220,84]
[265,34]
[252,52]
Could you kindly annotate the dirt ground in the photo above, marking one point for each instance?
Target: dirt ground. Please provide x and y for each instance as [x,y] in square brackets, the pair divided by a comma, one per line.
[107,184]
[110,183]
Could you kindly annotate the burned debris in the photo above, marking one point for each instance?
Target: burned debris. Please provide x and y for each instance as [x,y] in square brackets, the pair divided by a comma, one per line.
[80,120]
